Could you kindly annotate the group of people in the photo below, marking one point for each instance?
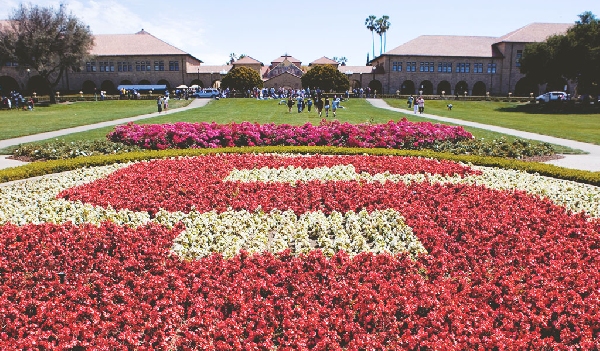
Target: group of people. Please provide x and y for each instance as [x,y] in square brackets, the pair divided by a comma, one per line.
[417,103]
[162,102]
[15,100]
[319,103]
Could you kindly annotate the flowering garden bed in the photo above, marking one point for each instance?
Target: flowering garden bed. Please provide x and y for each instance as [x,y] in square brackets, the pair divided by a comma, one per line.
[290,252]
[402,134]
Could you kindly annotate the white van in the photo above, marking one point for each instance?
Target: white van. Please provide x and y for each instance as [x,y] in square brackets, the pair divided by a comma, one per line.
[552,96]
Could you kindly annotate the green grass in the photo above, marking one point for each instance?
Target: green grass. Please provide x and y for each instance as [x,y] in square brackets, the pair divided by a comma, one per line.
[580,126]
[15,123]
[266,111]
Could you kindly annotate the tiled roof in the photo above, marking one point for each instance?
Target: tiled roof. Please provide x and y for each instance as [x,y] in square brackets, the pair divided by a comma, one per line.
[213,69]
[279,75]
[324,61]
[446,45]
[140,43]
[355,69]
[289,58]
[247,60]
[534,32]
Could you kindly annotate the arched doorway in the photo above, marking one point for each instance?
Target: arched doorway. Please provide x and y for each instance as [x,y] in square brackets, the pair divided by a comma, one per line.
[88,87]
[108,87]
[126,82]
[426,87]
[38,85]
[525,87]
[444,88]
[197,82]
[461,88]
[355,84]
[479,89]
[407,87]
[144,82]
[8,84]
[375,86]
[164,82]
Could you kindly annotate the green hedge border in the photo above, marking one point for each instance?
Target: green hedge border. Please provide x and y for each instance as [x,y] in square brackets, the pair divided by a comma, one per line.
[55,166]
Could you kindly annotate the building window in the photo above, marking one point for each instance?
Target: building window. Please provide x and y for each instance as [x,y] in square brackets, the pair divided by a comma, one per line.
[463,67]
[124,66]
[173,65]
[143,66]
[445,67]
[411,67]
[518,59]
[491,68]
[397,66]
[90,66]
[13,64]
[106,66]
[426,67]
[478,68]
[159,65]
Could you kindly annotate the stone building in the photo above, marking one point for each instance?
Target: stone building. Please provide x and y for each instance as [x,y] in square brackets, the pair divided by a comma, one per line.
[462,65]
[429,64]
[121,59]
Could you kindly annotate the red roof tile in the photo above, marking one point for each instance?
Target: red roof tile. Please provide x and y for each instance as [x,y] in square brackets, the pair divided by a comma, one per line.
[138,44]
[247,60]
[355,69]
[446,45]
[324,61]
[535,32]
[283,58]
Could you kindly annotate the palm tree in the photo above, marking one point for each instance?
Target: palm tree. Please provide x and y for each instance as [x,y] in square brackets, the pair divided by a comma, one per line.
[382,25]
[371,25]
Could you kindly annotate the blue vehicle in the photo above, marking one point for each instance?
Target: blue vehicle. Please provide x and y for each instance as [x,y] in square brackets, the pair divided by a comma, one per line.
[206,93]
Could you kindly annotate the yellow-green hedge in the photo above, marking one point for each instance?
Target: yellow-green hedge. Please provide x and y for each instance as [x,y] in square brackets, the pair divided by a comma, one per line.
[40,168]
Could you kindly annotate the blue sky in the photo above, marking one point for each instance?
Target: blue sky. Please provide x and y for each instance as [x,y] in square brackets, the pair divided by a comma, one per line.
[309,29]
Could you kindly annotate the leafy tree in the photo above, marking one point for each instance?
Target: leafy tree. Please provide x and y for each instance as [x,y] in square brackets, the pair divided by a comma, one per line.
[47,41]
[370,22]
[242,79]
[573,56]
[325,77]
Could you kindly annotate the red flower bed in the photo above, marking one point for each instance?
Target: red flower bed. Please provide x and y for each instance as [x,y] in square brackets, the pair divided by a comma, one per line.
[177,185]
[396,135]
[504,271]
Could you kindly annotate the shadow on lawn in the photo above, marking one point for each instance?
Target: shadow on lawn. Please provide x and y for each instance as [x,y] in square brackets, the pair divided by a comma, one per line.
[554,108]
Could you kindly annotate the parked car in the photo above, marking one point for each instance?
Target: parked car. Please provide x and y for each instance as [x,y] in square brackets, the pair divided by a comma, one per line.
[552,96]
[206,93]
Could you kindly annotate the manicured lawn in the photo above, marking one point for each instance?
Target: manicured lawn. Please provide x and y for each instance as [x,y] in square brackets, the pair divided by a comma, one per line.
[267,111]
[15,123]
[583,127]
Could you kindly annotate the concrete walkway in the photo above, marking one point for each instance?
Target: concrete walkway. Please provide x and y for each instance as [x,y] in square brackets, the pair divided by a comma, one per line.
[6,163]
[588,162]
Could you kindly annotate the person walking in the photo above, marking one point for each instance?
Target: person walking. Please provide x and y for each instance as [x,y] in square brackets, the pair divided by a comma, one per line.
[416,105]
[290,104]
[166,103]
[159,103]
[319,106]
[335,104]
[421,105]
[327,107]
[409,102]
[299,104]
[309,104]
